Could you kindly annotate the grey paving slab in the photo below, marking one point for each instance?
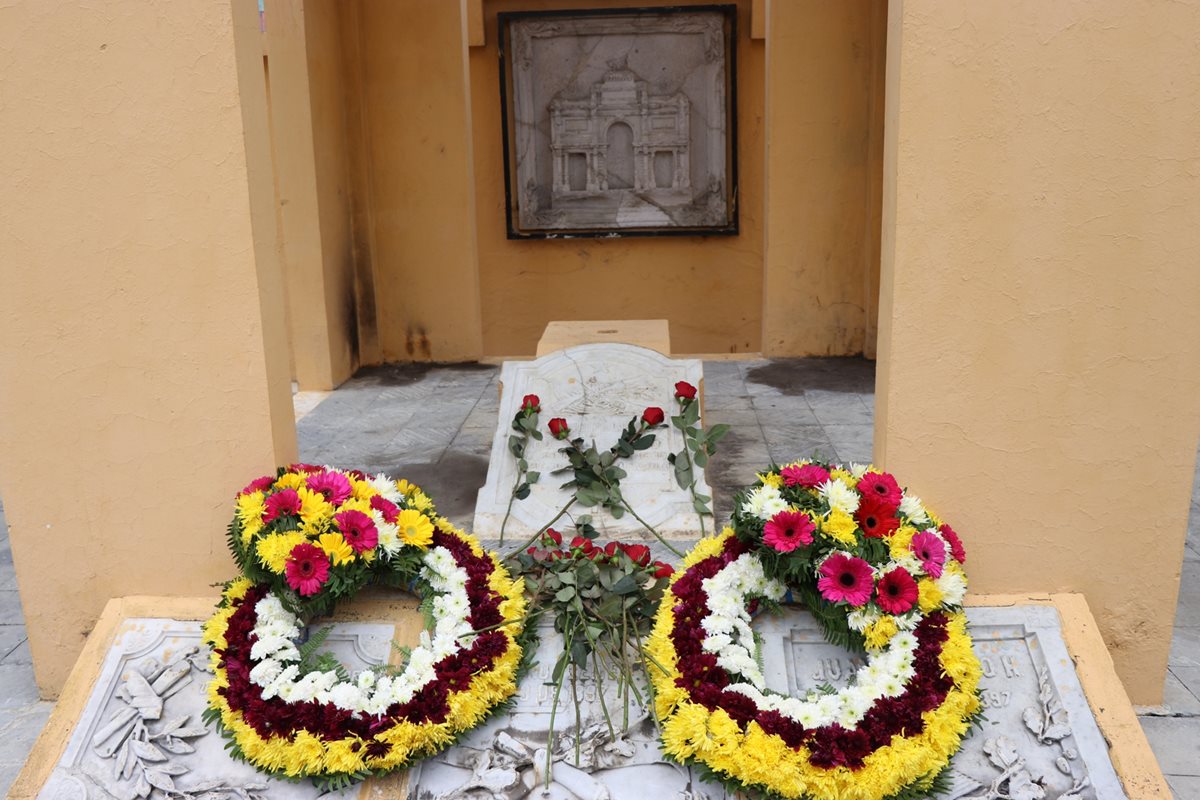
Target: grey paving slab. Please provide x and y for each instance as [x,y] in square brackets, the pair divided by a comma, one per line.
[1181,692]
[1184,787]
[19,654]
[1176,743]
[1185,647]
[839,408]
[1188,611]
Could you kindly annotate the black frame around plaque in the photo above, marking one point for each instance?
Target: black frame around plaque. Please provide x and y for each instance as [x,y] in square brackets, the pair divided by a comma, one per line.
[728,228]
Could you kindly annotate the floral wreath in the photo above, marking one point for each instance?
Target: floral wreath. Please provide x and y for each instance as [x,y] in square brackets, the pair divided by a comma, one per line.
[882,575]
[308,537]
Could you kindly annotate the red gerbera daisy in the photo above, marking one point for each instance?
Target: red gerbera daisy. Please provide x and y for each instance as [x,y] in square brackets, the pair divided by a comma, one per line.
[882,486]
[896,592]
[956,546]
[258,485]
[876,518]
[788,530]
[357,529]
[307,569]
[281,504]
[845,578]
[386,508]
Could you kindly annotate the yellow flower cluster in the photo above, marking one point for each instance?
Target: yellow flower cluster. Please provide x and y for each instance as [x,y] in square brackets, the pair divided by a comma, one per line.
[305,754]
[754,757]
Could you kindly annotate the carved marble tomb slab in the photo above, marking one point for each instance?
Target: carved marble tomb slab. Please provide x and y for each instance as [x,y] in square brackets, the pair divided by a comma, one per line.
[1038,735]
[597,388]
[141,728]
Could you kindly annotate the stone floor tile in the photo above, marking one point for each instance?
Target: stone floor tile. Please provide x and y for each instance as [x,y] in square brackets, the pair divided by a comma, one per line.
[18,655]
[1188,611]
[10,608]
[11,637]
[788,443]
[1184,787]
[1189,679]
[1176,743]
[777,412]
[725,402]
[853,443]
[1185,647]
[19,729]
[17,687]
[839,408]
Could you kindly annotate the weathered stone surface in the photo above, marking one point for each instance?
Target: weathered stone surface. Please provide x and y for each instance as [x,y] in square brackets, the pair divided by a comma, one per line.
[1038,739]
[597,388]
[141,731]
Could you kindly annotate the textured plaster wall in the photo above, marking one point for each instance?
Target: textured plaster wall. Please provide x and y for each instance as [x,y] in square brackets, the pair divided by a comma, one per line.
[709,288]
[418,179]
[1040,341]
[824,166]
[134,394]
[311,147]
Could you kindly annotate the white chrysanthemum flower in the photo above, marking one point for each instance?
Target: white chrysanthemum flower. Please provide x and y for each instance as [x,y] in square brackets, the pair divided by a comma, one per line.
[366,680]
[891,686]
[953,586]
[859,618]
[386,487]
[910,506]
[265,672]
[839,495]
[345,696]
[764,502]
[858,470]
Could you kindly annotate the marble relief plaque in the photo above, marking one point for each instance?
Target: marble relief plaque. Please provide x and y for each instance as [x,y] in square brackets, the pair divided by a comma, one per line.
[597,388]
[619,122]
[141,734]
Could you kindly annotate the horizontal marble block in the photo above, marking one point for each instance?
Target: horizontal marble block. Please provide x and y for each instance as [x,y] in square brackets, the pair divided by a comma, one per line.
[597,388]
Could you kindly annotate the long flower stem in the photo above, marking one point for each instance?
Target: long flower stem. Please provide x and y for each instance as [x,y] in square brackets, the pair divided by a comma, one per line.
[541,530]
[508,511]
[554,710]
[687,454]
[650,528]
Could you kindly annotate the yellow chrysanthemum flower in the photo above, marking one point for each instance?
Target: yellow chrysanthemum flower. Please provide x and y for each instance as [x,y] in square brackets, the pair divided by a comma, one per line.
[305,755]
[250,530]
[405,488]
[415,528]
[900,542]
[344,756]
[237,588]
[840,526]
[929,595]
[273,550]
[420,501]
[770,479]
[880,632]
[336,547]
[251,507]
[845,477]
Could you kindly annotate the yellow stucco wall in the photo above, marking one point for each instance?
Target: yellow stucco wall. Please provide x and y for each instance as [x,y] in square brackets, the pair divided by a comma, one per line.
[428,197]
[824,165]
[134,389]
[1039,336]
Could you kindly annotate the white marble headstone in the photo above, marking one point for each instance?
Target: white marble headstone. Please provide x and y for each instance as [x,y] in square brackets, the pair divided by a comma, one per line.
[597,388]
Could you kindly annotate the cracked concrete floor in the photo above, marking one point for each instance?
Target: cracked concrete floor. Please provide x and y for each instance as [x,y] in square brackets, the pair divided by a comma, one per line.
[434,425]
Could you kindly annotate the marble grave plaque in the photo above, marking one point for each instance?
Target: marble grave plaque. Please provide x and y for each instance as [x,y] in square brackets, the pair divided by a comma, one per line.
[141,732]
[1038,740]
[597,388]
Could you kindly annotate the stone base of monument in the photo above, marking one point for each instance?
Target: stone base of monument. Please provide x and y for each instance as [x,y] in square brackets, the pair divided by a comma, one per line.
[1042,659]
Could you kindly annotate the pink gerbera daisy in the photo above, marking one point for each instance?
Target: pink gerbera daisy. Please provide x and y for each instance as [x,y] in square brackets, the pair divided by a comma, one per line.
[357,529]
[882,486]
[930,551]
[788,530]
[307,569]
[845,578]
[807,475]
[281,504]
[956,546]
[386,508]
[897,591]
[334,485]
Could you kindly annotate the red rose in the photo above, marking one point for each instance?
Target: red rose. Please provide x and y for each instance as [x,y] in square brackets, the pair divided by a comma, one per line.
[532,551]
[663,570]
[531,403]
[553,536]
[558,428]
[685,391]
[610,549]
[653,416]
[638,553]
[581,542]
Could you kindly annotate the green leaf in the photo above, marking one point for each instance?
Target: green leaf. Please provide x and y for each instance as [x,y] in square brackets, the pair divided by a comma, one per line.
[536,434]
[521,492]
[532,476]
[716,433]
[700,459]
[625,585]
[522,464]
[700,506]
[691,414]
[644,442]
[565,594]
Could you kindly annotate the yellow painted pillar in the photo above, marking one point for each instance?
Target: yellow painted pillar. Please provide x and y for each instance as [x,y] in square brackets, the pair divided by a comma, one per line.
[1038,353]
[824,115]
[308,91]
[139,381]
